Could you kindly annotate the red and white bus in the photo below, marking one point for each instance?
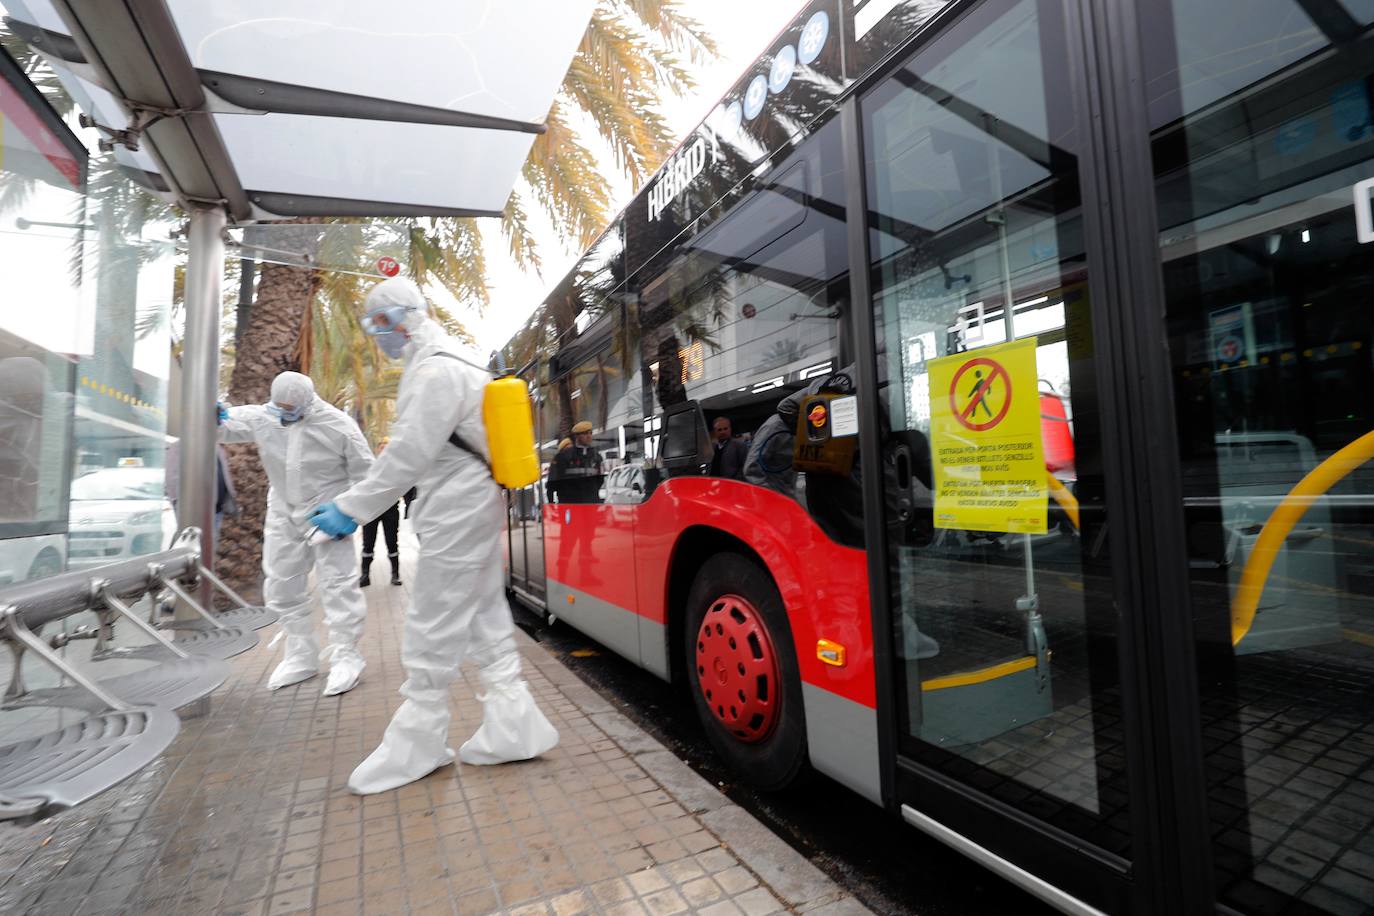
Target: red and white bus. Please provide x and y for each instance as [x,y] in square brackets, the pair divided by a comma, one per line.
[974,409]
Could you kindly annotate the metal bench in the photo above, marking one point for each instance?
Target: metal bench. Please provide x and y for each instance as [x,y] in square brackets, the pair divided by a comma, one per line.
[70,765]
[131,714]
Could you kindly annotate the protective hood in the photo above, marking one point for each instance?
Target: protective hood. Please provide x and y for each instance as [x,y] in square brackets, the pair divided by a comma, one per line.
[295,389]
[398,292]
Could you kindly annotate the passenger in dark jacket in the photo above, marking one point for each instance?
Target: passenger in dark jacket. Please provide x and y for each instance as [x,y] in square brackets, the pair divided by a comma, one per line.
[728,453]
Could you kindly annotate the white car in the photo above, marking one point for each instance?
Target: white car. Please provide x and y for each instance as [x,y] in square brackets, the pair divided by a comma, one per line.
[118,513]
[624,486]
[31,557]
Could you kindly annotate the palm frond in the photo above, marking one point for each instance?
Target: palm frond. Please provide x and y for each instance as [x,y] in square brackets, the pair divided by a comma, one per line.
[681,32]
[567,181]
[516,229]
[638,136]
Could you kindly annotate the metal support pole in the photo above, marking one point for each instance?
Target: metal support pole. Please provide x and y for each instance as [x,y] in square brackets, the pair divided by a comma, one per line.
[192,603]
[200,384]
[117,606]
[218,583]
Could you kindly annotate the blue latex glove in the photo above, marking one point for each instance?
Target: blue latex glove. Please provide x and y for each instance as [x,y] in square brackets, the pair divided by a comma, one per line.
[221,413]
[331,521]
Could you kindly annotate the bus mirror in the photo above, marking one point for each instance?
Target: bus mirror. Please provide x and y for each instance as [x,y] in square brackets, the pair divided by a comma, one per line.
[686,446]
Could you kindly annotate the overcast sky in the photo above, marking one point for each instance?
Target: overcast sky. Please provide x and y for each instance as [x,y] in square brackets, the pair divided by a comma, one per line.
[742,28]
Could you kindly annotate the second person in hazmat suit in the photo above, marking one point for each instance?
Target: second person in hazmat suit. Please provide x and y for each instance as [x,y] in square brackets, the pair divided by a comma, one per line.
[458,606]
[311,451]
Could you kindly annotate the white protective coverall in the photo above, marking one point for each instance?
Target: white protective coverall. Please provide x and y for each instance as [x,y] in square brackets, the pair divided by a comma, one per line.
[458,605]
[308,463]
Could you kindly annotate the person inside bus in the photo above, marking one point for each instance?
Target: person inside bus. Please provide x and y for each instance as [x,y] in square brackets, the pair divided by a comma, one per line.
[553,474]
[769,460]
[458,607]
[311,452]
[576,473]
[727,452]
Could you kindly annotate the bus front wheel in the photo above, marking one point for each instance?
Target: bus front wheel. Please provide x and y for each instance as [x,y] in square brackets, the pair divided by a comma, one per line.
[743,671]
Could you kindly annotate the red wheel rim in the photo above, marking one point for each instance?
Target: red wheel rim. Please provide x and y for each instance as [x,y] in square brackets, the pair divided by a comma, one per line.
[737,669]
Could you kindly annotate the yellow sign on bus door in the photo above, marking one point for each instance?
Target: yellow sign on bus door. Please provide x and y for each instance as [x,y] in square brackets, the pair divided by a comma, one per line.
[986,452]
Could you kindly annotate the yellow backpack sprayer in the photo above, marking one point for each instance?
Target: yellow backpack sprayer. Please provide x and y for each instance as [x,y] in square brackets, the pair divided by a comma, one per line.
[509,422]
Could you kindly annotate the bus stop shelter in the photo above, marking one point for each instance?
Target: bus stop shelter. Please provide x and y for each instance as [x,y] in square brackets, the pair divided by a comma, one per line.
[263,110]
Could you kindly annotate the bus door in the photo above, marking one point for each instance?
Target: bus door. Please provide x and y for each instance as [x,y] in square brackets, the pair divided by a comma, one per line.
[524,510]
[594,481]
[1003,632]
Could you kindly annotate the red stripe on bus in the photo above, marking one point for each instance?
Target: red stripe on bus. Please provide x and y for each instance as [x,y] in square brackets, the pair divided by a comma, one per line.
[622,555]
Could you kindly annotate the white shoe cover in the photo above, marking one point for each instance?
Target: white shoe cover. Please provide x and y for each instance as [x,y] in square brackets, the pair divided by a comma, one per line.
[513,728]
[415,745]
[917,644]
[345,667]
[299,664]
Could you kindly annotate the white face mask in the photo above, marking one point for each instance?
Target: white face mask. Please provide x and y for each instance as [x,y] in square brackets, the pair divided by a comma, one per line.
[392,343]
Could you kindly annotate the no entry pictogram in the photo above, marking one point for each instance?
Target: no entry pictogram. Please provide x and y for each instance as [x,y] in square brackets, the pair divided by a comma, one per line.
[981,388]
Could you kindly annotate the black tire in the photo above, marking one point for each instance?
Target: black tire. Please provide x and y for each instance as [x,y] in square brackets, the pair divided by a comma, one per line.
[779,757]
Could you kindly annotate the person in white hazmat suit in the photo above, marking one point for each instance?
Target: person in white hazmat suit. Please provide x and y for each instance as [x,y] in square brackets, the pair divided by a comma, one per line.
[312,452]
[458,606]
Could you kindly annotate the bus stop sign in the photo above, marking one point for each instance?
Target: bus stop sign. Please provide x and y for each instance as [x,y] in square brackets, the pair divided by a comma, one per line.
[388,266]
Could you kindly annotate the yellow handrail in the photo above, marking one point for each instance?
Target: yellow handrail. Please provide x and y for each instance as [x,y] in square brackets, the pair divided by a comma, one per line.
[1066,500]
[1281,522]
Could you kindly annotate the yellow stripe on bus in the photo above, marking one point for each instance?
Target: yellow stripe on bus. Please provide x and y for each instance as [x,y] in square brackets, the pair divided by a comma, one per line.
[980,676]
[1280,524]
[1364,639]
[1065,499]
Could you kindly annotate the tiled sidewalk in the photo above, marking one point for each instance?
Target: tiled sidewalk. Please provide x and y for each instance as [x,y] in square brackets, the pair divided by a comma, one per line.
[248,813]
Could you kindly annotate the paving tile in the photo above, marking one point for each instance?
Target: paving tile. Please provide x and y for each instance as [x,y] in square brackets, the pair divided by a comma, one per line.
[701,892]
[758,902]
[665,903]
[342,908]
[724,908]
[736,880]
[483,901]
[613,890]
[299,900]
[578,903]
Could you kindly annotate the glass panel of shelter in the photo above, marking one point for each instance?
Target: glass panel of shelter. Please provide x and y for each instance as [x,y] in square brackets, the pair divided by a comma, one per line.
[84,375]
[1004,625]
[1263,146]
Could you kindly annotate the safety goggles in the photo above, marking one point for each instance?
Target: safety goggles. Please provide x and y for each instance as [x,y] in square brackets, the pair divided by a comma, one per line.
[384,321]
[286,416]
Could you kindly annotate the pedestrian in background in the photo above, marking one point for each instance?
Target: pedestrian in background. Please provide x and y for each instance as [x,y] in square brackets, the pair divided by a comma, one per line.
[390,520]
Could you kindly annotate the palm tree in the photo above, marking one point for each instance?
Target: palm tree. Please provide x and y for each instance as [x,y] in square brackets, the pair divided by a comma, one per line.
[631,54]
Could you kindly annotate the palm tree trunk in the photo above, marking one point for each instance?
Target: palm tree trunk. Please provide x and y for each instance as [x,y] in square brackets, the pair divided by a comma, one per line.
[267,346]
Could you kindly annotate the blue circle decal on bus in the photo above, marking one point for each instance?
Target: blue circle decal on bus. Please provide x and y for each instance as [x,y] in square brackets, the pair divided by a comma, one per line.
[755,96]
[784,65]
[813,36]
